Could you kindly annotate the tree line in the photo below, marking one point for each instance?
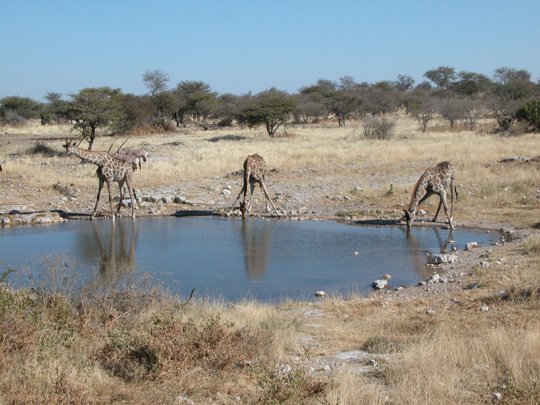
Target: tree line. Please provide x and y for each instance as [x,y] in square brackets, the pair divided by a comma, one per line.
[509,96]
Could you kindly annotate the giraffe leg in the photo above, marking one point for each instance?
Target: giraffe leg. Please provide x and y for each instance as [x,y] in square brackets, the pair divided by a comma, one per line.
[424,198]
[445,206]
[268,198]
[97,198]
[131,193]
[453,193]
[437,213]
[251,187]
[121,186]
[110,199]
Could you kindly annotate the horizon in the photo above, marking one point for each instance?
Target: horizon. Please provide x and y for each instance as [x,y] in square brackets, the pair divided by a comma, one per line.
[240,47]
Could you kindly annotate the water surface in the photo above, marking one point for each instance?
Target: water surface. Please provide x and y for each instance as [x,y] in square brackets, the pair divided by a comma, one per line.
[267,260]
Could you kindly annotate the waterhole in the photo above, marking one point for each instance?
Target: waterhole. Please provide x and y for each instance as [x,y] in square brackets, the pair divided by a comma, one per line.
[225,258]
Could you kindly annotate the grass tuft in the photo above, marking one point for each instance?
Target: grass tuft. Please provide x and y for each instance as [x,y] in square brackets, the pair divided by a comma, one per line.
[531,246]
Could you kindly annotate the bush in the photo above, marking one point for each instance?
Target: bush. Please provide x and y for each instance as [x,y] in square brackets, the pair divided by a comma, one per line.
[14,119]
[530,113]
[40,148]
[379,128]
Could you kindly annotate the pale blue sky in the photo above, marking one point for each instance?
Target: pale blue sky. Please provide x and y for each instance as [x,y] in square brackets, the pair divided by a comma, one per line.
[239,46]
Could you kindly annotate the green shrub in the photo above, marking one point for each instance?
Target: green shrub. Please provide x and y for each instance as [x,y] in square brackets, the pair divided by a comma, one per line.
[530,113]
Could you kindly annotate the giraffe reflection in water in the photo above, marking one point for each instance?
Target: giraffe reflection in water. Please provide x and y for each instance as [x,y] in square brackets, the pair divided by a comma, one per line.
[256,239]
[418,256]
[116,248]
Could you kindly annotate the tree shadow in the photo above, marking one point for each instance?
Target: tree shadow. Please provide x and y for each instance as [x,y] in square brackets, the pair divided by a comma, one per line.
[227,138]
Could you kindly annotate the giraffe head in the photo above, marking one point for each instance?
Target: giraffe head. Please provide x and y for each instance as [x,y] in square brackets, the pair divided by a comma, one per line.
[69,145]
[243,209]
[408,217]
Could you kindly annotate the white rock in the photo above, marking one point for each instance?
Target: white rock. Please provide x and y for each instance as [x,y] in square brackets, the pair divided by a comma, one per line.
[285,369]
[320,293]
[178,199]
[379,284]
[373,363]
[484,308]
[184,400]
[440,258]
[471,245]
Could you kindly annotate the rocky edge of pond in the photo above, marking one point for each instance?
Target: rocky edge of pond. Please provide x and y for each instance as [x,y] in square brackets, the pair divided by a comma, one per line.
[449,269]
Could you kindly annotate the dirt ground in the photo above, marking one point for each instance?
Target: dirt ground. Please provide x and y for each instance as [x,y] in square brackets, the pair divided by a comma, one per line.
[367,191]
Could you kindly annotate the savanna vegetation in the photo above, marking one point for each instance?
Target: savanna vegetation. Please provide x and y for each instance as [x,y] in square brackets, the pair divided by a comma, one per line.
[461,98]
[347,149]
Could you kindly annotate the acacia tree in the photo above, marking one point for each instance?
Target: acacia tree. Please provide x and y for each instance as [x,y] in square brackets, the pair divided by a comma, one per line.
[195,98]
[271,107]
[95,107]
[505,75]
[404,82]
[443,76]
[56,109]
[470,83]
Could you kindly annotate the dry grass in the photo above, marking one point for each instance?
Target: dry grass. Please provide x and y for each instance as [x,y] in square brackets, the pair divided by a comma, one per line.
[458,355]
[132,345]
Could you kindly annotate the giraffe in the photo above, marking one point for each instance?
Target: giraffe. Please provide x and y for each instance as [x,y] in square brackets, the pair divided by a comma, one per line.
[110,170]
[254,172]
[137,153]
[435,180]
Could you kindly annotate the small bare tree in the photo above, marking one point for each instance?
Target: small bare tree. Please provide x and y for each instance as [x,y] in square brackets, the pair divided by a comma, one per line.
[473,111]
[422,108]
[452,109]
[155,81]
[379,128]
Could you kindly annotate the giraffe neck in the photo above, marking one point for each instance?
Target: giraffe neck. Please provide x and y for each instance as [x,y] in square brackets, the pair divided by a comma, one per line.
[92,157]
[416,196]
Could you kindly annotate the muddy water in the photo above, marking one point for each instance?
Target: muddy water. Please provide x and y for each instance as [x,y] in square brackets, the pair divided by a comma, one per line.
[266,260]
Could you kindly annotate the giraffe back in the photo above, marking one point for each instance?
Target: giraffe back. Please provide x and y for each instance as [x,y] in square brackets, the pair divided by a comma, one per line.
[254,168]
[434,179]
